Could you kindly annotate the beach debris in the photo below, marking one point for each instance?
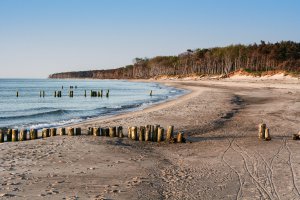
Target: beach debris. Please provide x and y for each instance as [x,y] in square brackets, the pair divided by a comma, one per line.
[23,135]
[14,135]
[261,131]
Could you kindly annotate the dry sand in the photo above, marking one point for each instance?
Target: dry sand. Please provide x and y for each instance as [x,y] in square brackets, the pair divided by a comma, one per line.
[223,158]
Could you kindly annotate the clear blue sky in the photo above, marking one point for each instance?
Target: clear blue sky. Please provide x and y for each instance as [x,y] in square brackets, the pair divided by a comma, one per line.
[39,37]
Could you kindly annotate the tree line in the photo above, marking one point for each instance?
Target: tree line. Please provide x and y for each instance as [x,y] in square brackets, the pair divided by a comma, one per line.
[284,55]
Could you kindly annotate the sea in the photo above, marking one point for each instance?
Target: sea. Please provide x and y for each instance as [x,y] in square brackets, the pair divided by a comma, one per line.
[32,109]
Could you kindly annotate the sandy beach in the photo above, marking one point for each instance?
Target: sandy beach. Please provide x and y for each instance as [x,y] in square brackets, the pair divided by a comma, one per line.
[222,158]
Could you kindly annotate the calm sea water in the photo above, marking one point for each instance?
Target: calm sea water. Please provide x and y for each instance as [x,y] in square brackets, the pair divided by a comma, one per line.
[31,111]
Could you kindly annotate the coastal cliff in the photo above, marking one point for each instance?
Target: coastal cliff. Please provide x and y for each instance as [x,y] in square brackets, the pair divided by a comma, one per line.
[254,58]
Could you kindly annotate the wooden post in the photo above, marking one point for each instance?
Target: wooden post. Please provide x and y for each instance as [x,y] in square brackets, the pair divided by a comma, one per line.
[295,137]
[147,133]
[17,94]
[1,136]
[152,130]
[267,135]
[154,136]
[134,133]
[170,133]
[142,133]
[180,137]
[90,131]
[261,131]
[45,132]
[120,132]
[55,93]
[101,93]
[33,134]
[40,93]
[71,131]
[23,135]
[151,93]
[107,93]
[9,135]
[112,131]
[78,131]
[14,135]
[84,93]
[129,132]
[43,93]
[96,131]
[62,131]
[160,134]
[52,132]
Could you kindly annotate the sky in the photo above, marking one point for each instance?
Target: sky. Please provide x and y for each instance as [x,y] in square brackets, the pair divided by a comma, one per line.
[41,37]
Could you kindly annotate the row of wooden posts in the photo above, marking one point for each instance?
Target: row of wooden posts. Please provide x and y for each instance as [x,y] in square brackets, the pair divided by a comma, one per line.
[71,93]
[153,133]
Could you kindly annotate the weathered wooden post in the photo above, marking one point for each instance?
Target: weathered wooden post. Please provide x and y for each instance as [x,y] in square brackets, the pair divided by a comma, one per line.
[142,133]
[152,130]
[267,135]
[84,93]
[43,93]
[62,131]
[40,93]
[120,132]
[33,134]
[23,135]
[106,132]
[9,135]
[96,131]
[78,131]
[14,135]
[101,93]
[170,133]
[112,131]
[129,132]
[134,133]
[1,136]
[154,136]
[52,132]
[180,137]
[151,93]
[17,94]
[45,132]
[295,137]
[160,134]
[71,131]
[147,133]
[261,131]
[55,93]
[90,131]
[107,93]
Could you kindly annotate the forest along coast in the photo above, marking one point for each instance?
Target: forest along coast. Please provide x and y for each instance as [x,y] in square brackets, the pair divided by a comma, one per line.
[223,157]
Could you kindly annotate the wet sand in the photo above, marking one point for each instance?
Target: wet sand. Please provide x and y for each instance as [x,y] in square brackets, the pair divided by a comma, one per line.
[222,159]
